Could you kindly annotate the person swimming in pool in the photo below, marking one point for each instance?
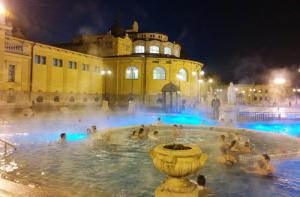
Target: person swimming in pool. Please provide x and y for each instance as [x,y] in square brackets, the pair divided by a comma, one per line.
[154,135]
[158,121]
[223,142]
[203,191]
[262,167]
[246,148]
[62,137]
[226,157]
[142,133]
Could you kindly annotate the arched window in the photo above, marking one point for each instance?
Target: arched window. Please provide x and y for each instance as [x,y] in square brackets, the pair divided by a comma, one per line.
[159,73]
[168,51]
[139,49]
[183,74]
[154,49]
[132,73]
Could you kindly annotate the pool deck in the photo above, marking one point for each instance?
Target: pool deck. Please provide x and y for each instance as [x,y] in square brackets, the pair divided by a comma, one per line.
[11,189]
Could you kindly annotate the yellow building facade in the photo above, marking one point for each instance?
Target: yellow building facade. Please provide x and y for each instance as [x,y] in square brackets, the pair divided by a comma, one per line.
[117,65]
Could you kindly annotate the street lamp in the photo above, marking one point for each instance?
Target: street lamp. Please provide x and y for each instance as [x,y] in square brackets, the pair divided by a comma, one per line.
[2,9]
[179,77]
[105,73]
[279,81]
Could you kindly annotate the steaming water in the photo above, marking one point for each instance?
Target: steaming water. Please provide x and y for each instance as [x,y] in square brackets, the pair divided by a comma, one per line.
[122,167]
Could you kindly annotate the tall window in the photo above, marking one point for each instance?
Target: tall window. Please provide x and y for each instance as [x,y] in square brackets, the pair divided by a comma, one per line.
[97,69]
[168,51]
[139,49]
[57,62]
[39,59]
[132,73]
[85,67]
[72,65]
[159,73]
[183,74]
[154,49]
[11,73]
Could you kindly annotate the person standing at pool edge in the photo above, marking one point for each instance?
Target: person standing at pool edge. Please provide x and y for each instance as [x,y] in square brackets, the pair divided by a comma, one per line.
[215,104]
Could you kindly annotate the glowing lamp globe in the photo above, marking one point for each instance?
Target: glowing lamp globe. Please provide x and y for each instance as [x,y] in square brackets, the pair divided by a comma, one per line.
[2,9]
[279,81]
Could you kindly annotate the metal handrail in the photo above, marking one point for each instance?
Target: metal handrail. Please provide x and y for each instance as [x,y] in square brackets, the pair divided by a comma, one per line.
[7,144]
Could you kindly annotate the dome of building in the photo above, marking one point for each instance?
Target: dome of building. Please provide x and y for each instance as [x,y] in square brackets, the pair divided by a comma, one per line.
[117,30]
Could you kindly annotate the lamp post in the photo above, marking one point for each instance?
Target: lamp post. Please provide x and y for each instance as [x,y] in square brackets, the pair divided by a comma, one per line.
[195,74]
[179,77]
[104,73]
[3,13]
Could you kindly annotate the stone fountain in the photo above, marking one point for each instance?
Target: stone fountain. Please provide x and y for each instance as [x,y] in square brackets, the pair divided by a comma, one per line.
[177,162]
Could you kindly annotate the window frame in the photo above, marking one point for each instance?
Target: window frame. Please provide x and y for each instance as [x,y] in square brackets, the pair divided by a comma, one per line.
[169,52]
[158,76]
[180,72]
[11,73]
[136,50]
[154,49]
[131,76]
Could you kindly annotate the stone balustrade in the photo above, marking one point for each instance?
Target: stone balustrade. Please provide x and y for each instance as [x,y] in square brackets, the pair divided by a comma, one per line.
[17,47]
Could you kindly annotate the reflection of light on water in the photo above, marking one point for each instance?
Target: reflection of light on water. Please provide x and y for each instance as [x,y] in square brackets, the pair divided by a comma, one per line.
[76,136]
[282,127]
[10,167]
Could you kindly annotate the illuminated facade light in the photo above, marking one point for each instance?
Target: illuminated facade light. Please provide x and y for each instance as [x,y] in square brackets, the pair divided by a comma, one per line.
[194,73]
[2,9]
[109,72]
[210,81]
[200,81]
[202,73]
[279,81]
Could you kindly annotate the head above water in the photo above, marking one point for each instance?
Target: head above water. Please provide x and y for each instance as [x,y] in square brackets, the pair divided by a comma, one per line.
[223,137]
[201,180]
[233,143]
[63,136]
[141,130]
[133,133]
[247,144]
[158,119]
[266,157]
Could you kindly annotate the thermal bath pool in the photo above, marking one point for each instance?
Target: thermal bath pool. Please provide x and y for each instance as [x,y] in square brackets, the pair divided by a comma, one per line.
[86,166]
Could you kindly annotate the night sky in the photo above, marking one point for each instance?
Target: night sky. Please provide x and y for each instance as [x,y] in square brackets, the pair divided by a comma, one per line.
[235,39]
